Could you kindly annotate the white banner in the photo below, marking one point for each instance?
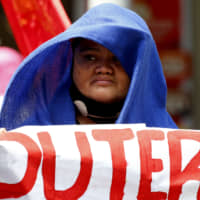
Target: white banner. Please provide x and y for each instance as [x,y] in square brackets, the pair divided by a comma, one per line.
[123,3]
[1,101]
[100,162]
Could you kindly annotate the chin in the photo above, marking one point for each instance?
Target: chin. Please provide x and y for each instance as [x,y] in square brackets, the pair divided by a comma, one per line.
[104,96]
[103,99]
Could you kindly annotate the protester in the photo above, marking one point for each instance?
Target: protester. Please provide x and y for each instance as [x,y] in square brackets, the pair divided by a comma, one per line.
[104,68]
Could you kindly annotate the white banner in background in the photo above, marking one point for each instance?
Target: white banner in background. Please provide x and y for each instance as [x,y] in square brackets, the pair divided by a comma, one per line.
[100,162]
[123,3]
[1,101]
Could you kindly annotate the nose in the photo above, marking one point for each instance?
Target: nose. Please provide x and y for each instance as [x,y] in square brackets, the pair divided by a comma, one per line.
[104,68]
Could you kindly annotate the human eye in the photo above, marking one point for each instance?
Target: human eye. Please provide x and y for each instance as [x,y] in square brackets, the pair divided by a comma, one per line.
[90,57]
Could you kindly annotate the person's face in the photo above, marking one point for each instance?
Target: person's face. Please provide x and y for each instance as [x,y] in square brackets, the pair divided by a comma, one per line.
[98,74]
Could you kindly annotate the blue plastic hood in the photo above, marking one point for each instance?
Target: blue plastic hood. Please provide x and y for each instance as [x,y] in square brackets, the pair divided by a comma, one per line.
[39,91]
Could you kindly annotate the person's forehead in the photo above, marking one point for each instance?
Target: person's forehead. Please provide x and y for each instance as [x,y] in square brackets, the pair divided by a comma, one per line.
[84,43]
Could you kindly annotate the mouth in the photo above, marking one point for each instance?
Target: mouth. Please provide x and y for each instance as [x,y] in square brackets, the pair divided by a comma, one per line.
[102,81]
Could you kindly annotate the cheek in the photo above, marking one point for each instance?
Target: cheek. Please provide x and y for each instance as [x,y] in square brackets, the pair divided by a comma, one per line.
[76,74]
[124,81]
[80,77]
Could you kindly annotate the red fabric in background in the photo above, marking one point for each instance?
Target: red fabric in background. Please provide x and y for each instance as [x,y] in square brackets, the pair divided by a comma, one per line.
[35,21]
[163,18]
[177,66]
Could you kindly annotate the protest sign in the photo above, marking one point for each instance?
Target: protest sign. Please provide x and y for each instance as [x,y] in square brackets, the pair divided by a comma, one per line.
[96,162]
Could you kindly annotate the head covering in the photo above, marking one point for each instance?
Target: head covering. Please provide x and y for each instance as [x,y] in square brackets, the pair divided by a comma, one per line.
[39,91]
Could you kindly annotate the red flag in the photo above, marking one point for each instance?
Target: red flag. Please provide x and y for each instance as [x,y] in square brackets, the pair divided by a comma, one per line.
[35,21]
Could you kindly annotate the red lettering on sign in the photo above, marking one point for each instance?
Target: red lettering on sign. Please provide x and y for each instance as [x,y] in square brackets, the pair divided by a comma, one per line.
[33,162]
[191,172]
[48,168]
[115,138]
[149,165]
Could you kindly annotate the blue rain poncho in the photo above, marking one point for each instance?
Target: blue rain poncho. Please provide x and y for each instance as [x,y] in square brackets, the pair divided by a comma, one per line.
[38,93]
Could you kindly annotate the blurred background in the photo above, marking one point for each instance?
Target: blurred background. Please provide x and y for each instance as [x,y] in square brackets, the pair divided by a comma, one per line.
[175,25]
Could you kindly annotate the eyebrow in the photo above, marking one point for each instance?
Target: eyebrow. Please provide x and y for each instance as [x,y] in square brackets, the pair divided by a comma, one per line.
[83,49]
